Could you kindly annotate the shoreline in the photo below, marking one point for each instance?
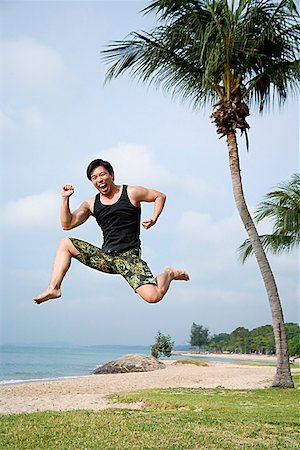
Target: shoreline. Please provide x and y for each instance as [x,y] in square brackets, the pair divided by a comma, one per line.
[235,356]
[90,393]
[207,357]
[4,383]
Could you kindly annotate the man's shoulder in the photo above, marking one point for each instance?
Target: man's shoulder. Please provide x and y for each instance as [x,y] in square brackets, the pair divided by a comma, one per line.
[135,189]
[135,194]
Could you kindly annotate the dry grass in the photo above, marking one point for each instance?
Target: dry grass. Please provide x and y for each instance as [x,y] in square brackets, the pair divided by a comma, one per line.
[196,362]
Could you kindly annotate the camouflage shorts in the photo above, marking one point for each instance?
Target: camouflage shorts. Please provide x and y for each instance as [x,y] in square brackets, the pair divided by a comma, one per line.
[126,263]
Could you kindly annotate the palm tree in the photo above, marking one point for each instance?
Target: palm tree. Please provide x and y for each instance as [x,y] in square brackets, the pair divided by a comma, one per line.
[231,57]
[283,207]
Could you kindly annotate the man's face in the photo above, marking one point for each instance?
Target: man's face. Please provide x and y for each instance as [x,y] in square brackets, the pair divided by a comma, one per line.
[102,179]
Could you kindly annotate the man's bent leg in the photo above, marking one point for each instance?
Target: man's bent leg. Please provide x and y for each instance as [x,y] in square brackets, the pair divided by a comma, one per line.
[62,262]
[154,294]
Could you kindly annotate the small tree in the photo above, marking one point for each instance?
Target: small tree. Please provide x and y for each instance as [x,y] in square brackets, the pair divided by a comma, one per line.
[199,336]
[293,335]
[219,342]
[163,345]
[294,345]
[240,340]
[262,340]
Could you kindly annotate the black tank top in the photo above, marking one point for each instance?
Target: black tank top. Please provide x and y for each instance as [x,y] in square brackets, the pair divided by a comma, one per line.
[120,223]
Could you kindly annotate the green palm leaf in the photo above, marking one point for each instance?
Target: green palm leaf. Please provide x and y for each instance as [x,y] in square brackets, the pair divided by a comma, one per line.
[282,206]
[203,45]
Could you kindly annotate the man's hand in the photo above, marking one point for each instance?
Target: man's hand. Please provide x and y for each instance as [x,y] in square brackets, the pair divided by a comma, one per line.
[67,190]
[148,223]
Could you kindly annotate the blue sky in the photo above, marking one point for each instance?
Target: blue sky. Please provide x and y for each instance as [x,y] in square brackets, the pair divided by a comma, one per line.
[56,116]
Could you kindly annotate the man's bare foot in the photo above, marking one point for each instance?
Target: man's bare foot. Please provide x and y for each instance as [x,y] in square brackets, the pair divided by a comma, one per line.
[48,294]
[177,274]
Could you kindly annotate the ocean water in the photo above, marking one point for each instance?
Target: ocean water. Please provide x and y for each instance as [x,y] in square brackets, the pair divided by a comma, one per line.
[19,364]
[28,363]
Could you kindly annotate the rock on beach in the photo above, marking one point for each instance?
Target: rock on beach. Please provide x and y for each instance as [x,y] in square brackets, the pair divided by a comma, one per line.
[130,363]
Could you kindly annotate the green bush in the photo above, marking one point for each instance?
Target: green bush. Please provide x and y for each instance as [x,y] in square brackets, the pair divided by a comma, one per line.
[163,345]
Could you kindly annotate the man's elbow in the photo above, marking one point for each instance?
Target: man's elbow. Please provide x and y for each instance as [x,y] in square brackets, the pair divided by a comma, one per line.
[163,197]
[66,227]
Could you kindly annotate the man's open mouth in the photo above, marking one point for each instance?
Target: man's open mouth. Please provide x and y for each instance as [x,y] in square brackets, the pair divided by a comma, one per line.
[102,186]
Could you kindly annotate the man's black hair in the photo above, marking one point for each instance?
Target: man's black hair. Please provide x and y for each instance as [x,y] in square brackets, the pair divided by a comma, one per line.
[97,163]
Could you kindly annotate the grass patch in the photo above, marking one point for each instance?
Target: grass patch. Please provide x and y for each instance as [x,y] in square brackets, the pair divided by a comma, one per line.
[296,379]
[174,419]
[253,363]
[257,363]
[196,362]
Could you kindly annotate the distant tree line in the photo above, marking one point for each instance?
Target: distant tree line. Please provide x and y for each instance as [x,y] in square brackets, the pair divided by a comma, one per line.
[260,340]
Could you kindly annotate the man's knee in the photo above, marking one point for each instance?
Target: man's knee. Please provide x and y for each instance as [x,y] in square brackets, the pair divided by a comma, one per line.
[150,294]
[66,244]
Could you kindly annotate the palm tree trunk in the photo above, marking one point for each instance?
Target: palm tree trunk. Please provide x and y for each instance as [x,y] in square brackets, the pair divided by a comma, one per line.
[283,376]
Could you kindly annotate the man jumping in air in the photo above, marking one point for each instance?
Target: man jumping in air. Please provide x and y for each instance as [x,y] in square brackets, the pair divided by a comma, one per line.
[117,210]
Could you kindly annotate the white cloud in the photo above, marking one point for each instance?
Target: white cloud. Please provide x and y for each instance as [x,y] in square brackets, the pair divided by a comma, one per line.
[139,166]
[226,232]
[29,64]
[208,247]
[201,228]
[209,251]
[6,123]
[24,120]
[200,188]
[32,213]
[33,118]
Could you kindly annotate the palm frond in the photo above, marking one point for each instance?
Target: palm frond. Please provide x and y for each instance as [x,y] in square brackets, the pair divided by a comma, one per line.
[282,206]
[273,243]
[169,9]
[201,44]
[245,250]
[172,57]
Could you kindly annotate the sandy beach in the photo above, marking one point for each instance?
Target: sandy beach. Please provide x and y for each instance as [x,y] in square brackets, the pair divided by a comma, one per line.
[90,392]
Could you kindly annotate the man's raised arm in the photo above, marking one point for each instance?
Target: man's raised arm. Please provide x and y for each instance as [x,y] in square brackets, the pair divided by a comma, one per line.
[68,219]
[141,194]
